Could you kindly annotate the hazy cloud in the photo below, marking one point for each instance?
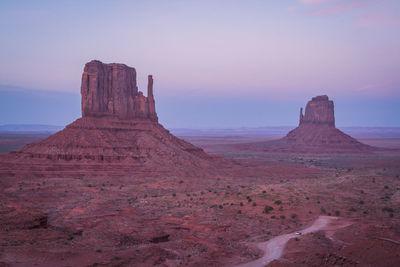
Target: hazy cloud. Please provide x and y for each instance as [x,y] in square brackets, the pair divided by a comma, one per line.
[377,19]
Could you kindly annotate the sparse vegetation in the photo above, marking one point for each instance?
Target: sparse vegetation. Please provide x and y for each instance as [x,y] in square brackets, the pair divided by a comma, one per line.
[267,209]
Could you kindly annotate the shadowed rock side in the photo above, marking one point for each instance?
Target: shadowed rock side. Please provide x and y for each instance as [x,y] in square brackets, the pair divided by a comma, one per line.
[118,134]
[316,133]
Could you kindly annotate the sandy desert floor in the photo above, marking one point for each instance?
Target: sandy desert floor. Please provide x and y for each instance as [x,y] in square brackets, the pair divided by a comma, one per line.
[210,221]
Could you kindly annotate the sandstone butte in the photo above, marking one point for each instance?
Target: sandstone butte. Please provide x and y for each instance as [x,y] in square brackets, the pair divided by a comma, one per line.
[316,133]
[118,134]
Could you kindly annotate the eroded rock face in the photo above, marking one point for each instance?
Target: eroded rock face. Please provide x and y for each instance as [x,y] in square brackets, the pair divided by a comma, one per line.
[320,110]
[111,90]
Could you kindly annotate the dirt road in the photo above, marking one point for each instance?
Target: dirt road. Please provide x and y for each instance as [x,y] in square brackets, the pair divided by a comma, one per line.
[273,248]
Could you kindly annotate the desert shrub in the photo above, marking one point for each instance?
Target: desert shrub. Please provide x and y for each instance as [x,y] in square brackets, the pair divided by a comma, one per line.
[181,181]
[220,206]
[264,191]
[99,250]
[254,204]
[241,204]
[280,208]
[267,209]
[337,213]
[282,217]
[278,202]
[239,212]
[352,209]
[174,194]
[293,216]
[361,202]
[323,210]
[386,187]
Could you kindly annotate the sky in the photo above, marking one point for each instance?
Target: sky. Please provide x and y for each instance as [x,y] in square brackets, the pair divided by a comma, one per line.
[236,63]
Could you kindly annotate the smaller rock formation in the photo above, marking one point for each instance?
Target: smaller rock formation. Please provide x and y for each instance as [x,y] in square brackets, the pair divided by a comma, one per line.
[316,133]
[319,110]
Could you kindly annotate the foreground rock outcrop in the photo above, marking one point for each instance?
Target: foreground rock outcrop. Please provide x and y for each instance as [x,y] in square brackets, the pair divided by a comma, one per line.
[316,133]
[118,134]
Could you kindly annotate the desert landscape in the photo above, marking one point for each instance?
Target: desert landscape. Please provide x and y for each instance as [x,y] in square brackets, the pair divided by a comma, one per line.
[199,133]
[114,188]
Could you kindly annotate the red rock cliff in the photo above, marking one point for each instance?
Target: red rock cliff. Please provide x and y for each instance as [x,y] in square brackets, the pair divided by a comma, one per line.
[111,90]
[319,110]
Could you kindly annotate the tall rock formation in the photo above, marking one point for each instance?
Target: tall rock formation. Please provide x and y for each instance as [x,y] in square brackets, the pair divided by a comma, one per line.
[111,90]
[316,133]
[118,134]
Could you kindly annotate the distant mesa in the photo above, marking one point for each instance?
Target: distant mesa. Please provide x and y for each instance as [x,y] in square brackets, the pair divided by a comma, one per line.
[316,133]
[118,134]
